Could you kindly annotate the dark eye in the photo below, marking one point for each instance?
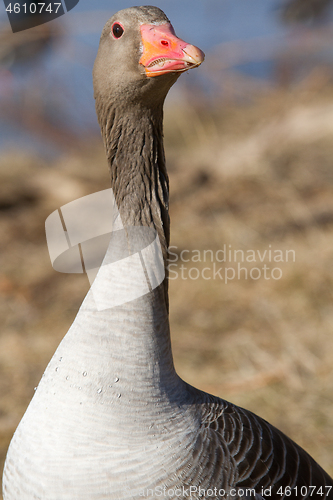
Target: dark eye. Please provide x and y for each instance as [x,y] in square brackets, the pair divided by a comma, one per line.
[117,30]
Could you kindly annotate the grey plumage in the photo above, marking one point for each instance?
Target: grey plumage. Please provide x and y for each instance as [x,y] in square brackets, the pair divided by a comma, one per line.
[131,424]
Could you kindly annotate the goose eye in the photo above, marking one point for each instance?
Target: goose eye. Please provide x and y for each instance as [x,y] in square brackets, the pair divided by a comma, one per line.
[117,30]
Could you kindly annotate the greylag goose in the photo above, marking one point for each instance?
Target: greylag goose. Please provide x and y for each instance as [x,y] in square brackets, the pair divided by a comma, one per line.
[111,419]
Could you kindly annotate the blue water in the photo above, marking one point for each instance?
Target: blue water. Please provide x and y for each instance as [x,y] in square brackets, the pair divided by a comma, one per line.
[207,22]
[63,76]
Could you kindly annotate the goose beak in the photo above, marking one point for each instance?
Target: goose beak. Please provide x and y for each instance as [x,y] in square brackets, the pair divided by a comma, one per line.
[163,52]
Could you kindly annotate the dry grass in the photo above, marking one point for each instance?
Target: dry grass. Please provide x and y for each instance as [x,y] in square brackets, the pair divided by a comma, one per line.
[248,176]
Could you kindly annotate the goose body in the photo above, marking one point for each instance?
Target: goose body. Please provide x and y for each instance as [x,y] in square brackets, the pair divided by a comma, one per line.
[111,419]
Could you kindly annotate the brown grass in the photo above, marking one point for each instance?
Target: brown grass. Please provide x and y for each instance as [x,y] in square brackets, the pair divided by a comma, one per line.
[249,176]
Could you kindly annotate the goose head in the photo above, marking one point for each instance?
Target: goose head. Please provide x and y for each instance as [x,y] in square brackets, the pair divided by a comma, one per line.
[140,57]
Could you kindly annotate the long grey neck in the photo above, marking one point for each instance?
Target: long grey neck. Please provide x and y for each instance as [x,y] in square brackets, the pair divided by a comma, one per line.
[134,146]
[132,339]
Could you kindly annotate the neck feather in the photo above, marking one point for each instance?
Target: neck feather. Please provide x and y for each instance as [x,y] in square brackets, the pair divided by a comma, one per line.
[134,146]
[137,332]
[133,140]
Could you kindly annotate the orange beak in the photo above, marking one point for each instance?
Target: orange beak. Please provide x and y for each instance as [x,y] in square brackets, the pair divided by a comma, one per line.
[164,53]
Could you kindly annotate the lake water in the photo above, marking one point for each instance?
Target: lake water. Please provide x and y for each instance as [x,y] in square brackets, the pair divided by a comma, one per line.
[63,76]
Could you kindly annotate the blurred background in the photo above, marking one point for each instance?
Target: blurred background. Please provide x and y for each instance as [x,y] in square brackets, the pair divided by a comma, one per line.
[249,145]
